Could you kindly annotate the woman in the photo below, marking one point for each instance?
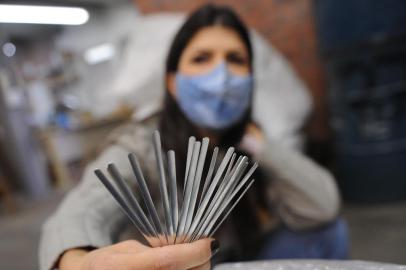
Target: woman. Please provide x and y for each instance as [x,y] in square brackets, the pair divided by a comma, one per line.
[291,211]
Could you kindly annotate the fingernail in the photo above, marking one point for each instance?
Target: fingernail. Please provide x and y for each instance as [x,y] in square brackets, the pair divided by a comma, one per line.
[215,246]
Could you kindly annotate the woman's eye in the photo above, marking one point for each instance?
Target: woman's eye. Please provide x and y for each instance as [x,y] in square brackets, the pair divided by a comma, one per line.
[237,59]
[202,58]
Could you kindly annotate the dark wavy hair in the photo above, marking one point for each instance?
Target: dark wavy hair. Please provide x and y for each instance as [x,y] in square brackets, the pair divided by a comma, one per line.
[175,128]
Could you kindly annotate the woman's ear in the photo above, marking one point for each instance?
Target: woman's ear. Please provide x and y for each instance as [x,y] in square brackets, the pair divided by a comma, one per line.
[171,84]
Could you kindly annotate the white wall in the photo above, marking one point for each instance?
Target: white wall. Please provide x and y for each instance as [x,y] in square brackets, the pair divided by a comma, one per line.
[112,25]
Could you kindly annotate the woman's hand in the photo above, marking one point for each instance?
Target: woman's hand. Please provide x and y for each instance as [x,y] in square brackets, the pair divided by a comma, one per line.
[136,256]
[253,140]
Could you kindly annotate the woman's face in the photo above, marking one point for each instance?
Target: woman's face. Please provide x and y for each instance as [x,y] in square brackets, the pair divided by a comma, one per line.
[207,49]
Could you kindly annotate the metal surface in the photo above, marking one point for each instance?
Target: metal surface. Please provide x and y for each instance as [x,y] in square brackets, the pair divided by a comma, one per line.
[309,265]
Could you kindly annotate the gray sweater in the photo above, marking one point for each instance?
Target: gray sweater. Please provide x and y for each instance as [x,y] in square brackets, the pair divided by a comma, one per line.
[303,194]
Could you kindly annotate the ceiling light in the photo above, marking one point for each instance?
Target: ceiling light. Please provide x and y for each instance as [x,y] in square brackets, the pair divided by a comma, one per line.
[43,15]
[9,49]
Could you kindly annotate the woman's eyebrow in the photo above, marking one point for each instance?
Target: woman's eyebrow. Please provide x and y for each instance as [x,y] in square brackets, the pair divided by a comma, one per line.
[237,50]
[201,50]
[234,50]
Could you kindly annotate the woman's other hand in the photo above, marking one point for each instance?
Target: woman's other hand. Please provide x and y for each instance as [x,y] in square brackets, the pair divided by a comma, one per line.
[253,140]
[136,256]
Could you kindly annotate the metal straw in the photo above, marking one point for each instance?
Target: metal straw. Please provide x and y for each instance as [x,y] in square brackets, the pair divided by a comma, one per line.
[162,183]
[221,194]
[145,192]
[125,190]
[212,186]
[202,206]
[196,182]
[232,207]
[233,194]
[188,192]
[173,188]
[123,204]
[190,146]
[209,174]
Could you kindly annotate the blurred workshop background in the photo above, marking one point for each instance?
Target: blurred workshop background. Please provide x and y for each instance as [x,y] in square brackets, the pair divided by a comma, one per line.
[332,84]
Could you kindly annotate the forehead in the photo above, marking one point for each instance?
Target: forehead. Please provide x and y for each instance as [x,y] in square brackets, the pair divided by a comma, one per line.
[216,38]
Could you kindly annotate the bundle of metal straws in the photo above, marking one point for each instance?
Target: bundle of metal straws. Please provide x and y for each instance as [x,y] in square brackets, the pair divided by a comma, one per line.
[204,205]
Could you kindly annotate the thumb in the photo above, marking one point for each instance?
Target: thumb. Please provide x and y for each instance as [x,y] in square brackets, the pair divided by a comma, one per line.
[128,246]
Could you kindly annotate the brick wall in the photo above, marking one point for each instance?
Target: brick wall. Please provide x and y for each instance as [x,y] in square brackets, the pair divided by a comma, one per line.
[288,25]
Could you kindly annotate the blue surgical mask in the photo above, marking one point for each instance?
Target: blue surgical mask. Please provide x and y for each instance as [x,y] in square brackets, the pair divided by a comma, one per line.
[214,100]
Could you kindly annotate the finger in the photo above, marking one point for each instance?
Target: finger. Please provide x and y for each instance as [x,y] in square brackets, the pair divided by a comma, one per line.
[206,266]
[129,246]
[182,256]
[179,257]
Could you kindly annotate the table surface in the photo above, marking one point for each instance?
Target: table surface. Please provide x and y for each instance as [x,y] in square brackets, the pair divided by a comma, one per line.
[309,265]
